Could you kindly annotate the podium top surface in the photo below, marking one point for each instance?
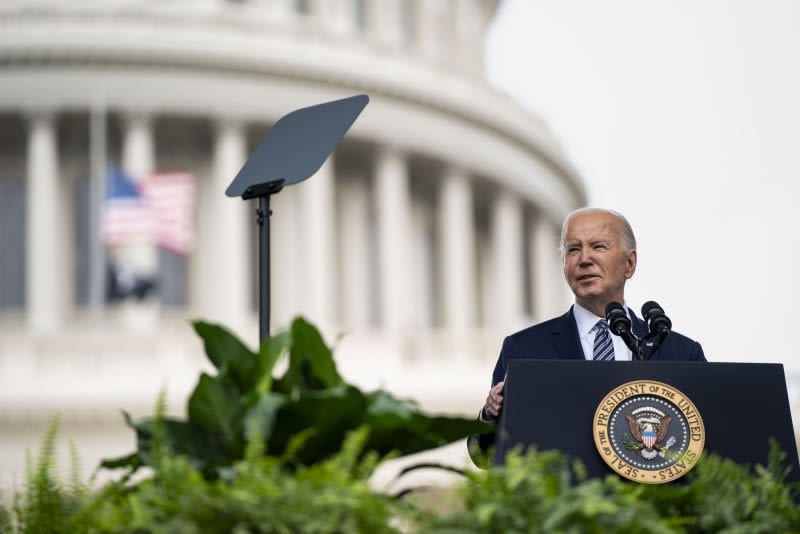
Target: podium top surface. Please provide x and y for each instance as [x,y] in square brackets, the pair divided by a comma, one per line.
[296,147]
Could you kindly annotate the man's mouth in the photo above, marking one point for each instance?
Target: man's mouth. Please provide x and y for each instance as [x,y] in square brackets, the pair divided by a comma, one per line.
[583,277]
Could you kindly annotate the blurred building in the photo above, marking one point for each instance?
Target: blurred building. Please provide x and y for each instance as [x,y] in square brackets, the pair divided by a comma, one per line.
[429,234]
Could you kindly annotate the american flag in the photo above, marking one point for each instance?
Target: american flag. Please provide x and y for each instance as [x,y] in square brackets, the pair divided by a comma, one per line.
[157,209]
[169,197]
[126,219]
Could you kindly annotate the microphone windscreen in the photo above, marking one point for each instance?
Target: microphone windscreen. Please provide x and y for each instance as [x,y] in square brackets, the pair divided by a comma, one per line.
[617,317]
[651,309]
[657,320]
[614,306]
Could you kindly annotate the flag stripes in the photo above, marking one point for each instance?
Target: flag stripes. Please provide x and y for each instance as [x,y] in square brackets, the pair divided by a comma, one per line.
[170,198]
[157,209]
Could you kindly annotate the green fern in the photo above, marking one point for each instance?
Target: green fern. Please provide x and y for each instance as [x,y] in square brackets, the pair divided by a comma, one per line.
[43,508]
[541,492]
[6,523]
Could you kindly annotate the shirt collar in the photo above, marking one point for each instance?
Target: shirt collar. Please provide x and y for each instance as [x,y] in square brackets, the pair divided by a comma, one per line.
[586,320]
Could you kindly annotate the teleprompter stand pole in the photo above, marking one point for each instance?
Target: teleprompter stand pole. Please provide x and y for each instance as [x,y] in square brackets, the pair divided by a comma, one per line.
[263,213]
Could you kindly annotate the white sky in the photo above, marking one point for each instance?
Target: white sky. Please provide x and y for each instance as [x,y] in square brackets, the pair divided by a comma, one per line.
[685,117]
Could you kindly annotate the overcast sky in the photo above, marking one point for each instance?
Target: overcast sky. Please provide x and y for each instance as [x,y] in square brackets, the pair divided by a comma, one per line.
[685,117]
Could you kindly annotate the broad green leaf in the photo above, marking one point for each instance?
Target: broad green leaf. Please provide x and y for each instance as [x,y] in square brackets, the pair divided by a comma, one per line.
[310,406]
[130,460]
[330,412]
[398,425]
[228,354]
[216,407]
[202,447]
[311,365]
[382,404]
[450,429]
[268,355]
[261,417]
[410,433]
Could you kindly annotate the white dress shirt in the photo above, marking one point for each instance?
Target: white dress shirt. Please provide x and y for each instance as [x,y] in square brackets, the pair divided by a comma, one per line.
[586,330]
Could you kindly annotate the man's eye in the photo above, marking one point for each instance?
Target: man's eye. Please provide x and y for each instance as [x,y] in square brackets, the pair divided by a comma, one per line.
[600,246]
[572,250]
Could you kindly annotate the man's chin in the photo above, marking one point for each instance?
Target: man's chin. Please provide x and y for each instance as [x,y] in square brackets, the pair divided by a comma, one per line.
[592,299]
[589,294]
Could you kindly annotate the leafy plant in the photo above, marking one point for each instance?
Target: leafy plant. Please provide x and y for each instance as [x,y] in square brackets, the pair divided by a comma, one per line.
[535,492]
[543,492]
[310,402]
[723,496]
[258,495]
[259,454]
[44,506]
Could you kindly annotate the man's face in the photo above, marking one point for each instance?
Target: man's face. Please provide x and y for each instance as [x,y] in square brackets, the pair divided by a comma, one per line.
[595,263]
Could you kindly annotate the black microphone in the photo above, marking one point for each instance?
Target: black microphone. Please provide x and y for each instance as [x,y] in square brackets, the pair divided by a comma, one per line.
[657,321]
[617,319]
[658,324]
[620,324]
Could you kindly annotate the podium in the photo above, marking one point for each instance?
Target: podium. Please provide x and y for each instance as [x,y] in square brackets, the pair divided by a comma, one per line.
[580,407]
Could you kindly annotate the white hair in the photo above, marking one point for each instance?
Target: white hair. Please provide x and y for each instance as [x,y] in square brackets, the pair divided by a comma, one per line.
[626,236]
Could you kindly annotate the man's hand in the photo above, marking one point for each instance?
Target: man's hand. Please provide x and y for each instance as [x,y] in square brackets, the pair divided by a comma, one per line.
[494,402]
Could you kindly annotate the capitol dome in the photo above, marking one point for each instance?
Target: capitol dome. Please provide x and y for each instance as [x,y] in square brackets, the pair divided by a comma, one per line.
[430,233]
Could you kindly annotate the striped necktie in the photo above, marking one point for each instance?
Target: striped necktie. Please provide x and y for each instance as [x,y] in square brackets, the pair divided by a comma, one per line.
[603,346]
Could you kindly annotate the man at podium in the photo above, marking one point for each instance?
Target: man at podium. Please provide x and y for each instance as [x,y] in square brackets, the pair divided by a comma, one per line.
[598,252]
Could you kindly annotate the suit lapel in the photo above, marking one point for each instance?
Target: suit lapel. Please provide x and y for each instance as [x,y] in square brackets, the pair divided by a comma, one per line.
[638,326]
[566,341]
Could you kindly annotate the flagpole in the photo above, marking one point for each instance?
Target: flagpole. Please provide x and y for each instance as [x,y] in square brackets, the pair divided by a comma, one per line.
[97,193]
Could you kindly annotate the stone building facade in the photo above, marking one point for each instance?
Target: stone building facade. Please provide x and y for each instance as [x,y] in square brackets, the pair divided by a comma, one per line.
[429,234]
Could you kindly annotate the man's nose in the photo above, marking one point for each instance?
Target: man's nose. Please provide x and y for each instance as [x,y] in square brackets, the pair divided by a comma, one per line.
[585,256]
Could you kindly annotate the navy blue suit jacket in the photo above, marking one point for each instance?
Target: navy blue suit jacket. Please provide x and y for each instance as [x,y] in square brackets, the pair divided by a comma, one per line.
[558,339]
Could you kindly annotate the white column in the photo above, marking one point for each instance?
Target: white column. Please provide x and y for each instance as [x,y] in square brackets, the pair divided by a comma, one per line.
[336,16]
[385,21]
[433,23]
[317,235]
[393,202]
[286,258]
[457,252]
[44,293]
[354,246]
[468,35]
[225,277]
[138,145]
[507,307]
[422,287]
[547,281]
[138,159]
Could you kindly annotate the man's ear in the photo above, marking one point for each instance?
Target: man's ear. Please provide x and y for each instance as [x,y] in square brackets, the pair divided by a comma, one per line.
[631,266]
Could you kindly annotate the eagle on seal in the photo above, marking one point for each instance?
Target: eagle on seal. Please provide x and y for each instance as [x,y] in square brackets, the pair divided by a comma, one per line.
[649,437]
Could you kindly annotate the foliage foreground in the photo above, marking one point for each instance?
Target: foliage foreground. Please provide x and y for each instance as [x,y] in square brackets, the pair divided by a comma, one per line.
[544,492]
[295,454]
[310,406]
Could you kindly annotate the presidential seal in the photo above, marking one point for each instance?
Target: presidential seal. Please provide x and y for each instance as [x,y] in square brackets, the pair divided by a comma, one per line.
[649,432]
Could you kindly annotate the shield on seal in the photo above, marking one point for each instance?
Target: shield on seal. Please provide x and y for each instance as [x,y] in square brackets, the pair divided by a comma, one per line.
[649,438]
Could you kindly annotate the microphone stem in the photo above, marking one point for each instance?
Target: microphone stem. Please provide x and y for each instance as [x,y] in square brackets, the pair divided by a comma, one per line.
[631,342]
